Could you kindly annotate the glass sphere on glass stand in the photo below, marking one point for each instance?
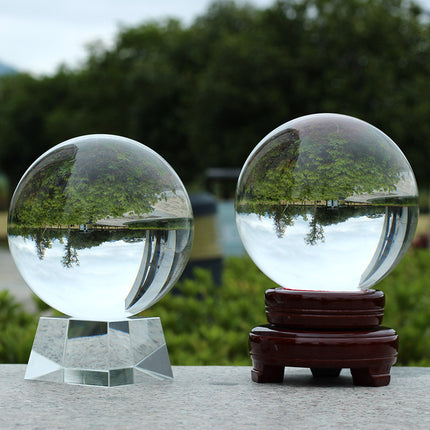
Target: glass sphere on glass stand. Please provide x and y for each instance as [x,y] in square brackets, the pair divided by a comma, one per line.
[327,204]
[100,228]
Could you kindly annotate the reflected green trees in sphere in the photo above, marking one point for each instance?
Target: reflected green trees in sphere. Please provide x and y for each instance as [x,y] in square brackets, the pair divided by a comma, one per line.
[100,227]
[326,202]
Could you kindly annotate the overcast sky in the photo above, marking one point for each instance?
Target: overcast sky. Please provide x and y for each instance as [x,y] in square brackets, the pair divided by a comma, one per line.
[38,35]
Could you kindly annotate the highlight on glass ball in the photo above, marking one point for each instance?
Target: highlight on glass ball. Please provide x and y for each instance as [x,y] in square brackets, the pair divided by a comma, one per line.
[100,227]
[326,202]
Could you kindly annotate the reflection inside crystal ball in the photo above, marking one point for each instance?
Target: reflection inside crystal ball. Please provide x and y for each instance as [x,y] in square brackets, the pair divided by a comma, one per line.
[100,227]
[326,202]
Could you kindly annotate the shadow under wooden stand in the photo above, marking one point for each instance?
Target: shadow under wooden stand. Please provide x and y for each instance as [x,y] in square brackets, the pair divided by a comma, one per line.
[325,331]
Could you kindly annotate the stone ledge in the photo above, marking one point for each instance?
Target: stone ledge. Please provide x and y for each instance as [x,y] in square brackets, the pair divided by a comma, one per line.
[218,397]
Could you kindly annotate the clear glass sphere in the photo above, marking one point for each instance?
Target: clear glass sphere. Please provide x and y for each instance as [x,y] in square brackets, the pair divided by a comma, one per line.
[100,227]
[326,202]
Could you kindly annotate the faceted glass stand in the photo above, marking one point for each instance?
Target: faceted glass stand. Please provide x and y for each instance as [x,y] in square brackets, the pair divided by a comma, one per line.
[73,351]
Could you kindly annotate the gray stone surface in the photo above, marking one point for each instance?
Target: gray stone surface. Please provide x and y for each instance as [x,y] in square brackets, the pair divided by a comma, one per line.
[218,398]
[11,280]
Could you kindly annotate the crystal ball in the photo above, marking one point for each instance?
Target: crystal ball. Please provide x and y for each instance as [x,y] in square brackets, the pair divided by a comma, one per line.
[326,202]
[100,227]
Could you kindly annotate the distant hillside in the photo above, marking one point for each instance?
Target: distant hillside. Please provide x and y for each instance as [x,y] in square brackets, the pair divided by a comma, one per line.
[6,70]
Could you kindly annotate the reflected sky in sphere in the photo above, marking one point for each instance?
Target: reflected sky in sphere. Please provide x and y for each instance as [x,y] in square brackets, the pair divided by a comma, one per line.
[97,286]
[335,264]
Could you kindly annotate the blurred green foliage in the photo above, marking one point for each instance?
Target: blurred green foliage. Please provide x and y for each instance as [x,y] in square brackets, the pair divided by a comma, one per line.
[206,324]
[407,308]
[4,190]
[17,330]
[204,94]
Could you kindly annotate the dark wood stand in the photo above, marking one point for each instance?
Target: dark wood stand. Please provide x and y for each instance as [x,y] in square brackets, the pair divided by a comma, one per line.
[325,331]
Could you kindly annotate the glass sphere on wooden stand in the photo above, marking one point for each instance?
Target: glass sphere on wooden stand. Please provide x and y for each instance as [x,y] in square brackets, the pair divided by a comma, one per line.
[326,206]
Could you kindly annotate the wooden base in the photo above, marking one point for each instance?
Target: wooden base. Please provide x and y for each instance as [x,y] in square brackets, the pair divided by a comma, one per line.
[321,309]
[367,349]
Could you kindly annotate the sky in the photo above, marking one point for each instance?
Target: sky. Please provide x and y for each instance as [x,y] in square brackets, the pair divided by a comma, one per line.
[37,36]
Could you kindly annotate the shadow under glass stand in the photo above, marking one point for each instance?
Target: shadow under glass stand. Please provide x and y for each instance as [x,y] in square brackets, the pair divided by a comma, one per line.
[102,353]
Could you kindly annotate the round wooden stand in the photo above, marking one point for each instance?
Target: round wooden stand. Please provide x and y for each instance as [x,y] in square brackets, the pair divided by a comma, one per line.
[325,331]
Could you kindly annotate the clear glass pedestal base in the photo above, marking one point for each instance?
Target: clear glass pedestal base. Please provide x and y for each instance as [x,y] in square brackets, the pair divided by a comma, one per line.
[73,351]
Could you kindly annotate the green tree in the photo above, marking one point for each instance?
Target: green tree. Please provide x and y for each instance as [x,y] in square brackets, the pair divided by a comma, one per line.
[203,95]
[325,158]
[88,182]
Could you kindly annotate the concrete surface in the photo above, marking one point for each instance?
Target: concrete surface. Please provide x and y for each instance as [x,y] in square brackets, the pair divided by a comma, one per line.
[218,398]
[11,280]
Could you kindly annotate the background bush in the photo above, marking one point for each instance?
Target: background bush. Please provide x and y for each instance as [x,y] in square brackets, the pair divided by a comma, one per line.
[17,330]
[203,94]
[407,308]
[206,324]
[209,324]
